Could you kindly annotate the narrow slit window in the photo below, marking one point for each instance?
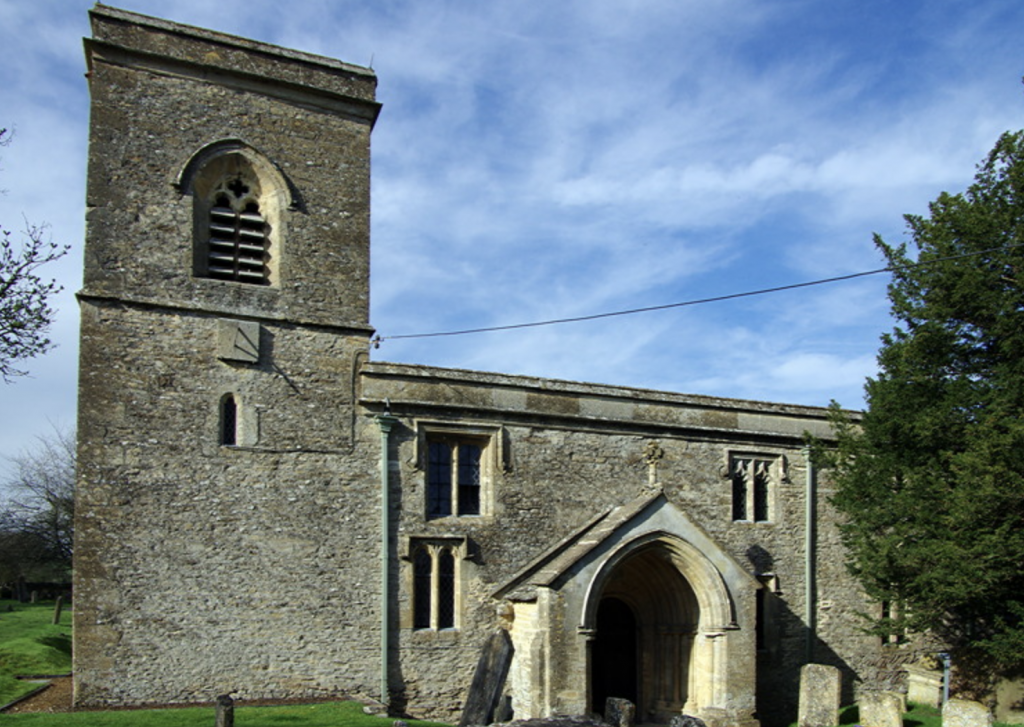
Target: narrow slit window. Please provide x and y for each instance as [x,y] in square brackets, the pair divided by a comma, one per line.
[445,589]
[229,421]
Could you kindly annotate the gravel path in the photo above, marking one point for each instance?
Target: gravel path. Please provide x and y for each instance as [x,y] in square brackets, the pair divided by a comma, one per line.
[55,698]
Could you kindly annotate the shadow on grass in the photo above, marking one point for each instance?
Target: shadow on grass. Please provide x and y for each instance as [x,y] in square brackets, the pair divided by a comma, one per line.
[61,643]
[850,715]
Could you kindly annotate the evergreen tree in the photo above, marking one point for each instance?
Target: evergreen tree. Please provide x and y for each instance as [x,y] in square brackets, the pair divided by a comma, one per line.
[931,479]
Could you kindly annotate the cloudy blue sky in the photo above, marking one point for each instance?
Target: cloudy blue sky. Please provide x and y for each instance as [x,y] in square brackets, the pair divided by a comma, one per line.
[552,159]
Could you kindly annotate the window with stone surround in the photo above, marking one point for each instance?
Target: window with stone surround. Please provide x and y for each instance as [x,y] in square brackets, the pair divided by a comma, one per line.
[453,477]
[754,480]
[458,463]
[435,566]
[239,200]
[229,420]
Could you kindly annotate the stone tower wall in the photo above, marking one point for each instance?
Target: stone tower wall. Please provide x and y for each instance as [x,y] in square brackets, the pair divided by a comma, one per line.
[201,567]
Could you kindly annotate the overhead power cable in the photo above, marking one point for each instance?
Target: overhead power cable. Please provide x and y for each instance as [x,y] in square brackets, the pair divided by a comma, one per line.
[700,301]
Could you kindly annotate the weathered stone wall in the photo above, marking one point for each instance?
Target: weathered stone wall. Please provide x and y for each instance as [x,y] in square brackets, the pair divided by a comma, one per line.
[201,568]
[571,450]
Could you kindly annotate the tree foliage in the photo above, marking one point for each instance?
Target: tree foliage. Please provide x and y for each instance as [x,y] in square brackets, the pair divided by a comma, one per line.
[931,480]
[25,311]
[37,511]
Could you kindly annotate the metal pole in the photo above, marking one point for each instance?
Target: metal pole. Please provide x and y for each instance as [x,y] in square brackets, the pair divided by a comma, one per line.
[946,663]
[385,422]
[810,564]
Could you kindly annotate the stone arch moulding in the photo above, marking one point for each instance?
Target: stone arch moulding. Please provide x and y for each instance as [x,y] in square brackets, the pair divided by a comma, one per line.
[719,690]
[713,598]
[260,201]
[186,178]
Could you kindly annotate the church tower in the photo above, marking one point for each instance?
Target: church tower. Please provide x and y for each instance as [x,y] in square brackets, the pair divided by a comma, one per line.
[224,315]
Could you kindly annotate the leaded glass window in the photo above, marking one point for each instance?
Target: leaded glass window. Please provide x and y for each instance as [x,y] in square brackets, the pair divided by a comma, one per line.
[453,478]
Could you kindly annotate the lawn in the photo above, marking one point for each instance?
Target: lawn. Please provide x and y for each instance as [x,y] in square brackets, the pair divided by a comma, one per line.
[30,644]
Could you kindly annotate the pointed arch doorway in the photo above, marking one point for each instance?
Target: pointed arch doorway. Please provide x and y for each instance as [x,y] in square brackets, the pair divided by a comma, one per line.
[645,626]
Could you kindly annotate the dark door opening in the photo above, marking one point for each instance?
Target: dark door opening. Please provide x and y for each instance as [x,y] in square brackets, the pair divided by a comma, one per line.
[614,654]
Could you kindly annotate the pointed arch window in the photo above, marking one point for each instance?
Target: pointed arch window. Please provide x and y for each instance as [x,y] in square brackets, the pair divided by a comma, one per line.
[240,202]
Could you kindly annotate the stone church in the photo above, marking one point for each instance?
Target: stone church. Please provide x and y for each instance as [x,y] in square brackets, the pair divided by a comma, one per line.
[264,510]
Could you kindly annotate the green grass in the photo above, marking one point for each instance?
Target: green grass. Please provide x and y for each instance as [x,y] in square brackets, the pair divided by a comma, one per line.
[30,644]
[333,714]
[922,716]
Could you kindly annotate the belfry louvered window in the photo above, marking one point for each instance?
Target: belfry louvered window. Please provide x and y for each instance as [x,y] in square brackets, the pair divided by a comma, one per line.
[237,245]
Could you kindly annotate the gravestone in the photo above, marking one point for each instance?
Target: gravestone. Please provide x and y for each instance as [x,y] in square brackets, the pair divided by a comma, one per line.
[619,712]
[488,681]
[924,685]
[820,691]
[225,713]
[965,713]
[880,709]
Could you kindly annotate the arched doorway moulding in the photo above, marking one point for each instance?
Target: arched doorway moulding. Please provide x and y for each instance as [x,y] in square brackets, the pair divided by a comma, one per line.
[713,598]
[710,665]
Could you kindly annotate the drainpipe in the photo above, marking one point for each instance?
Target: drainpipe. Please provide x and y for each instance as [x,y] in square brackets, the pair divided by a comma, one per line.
[385,422]
[810,558]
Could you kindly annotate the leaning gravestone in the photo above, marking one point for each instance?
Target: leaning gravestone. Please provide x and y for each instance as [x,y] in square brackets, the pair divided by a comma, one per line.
[880,709]
[965,713]
[619,712]
[488,681]
[820,691]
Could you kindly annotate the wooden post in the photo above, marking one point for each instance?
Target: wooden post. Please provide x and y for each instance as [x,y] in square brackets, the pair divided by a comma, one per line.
[56,610]
[225,711]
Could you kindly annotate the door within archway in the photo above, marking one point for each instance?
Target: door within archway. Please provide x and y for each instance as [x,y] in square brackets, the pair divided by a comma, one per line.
[645,627]
[615,654]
